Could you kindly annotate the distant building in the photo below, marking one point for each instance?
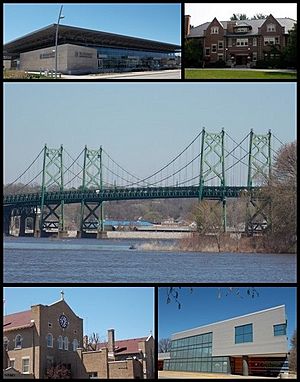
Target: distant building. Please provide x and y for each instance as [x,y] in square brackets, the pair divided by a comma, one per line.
[87,51]
[45,336]
[252,344]
[241,42]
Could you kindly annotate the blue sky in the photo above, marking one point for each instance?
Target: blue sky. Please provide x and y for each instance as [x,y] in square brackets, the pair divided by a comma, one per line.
[161,22]
[203,306]
[128,310]
[141,125]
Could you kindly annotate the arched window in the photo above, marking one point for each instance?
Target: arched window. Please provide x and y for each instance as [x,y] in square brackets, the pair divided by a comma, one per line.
[75,344]
[66,343]
[5,343]
[60,342]
[49,340]
[18,341]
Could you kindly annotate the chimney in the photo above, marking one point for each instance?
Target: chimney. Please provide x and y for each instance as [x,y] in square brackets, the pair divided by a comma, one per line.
[111,342]
[187,25]
[230,25]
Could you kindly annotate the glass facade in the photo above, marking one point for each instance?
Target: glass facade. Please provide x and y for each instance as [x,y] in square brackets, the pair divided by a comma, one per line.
[243,334]
[122,59]
[280,330]
[195,354]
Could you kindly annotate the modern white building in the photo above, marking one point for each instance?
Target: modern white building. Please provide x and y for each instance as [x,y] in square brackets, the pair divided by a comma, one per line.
[252,344]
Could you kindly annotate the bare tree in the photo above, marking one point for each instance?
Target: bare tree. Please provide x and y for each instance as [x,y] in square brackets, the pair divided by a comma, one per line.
[259,16]
[293,353]
[208,216]
[282,190]
[239,16]
[164,345]
[173,293]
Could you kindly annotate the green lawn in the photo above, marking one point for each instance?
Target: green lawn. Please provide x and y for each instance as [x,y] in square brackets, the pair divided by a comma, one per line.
[236,74]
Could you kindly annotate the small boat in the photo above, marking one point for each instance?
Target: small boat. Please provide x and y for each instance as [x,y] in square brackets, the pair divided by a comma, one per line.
[132,246]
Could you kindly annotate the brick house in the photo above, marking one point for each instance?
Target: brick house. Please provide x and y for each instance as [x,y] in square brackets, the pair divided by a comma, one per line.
[47,335]
[240,42]
[130,358]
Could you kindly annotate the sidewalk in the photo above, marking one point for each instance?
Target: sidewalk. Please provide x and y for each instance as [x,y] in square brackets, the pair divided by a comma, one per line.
[190,375]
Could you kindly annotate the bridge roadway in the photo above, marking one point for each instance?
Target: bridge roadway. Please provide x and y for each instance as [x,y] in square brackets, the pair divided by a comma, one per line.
[76,196]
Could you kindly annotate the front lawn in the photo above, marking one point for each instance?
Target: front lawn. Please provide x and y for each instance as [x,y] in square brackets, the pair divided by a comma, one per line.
[236,74]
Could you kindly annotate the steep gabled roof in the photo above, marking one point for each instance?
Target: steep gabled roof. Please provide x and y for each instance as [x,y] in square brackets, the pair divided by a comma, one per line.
[18,320]
[287,23]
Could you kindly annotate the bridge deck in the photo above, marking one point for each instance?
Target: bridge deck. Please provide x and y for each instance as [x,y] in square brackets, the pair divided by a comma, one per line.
[76,196]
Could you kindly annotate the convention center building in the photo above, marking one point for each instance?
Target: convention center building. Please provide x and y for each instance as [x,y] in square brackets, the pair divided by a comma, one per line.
[83,51]
[252,344]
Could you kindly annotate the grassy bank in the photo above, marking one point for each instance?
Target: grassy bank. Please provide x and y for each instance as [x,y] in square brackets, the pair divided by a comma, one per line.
[237,74]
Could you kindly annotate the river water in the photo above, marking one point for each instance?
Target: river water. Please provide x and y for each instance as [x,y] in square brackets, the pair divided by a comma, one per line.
[112,261]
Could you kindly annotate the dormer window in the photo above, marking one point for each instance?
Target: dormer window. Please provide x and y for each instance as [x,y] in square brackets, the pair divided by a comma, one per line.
[214,30]
[271,28]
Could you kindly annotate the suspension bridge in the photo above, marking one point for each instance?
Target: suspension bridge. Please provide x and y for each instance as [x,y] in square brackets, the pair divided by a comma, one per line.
[212,166]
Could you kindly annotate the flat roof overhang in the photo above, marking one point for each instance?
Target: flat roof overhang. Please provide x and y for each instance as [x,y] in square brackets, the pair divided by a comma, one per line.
[45,38]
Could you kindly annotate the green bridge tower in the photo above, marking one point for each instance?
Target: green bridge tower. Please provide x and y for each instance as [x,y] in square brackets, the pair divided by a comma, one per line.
[91,213]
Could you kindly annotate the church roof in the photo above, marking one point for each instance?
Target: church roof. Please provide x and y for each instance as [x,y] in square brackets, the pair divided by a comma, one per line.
[18,320]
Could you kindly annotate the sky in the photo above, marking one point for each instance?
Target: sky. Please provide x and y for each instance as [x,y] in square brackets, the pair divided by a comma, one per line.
[203,306]
[160,22]
[128,310]
[204,12]
[140,125]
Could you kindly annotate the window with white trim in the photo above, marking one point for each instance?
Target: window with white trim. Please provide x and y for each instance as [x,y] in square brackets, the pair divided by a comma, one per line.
[254,56]
[220,56]
[269,40]
[49,340]
[241,42]
[25,365]
[60,342]
[254,41]
[66,343]
[271,28]
[220,45]
[75,344]
[18,341]
[214,48]
[214,30]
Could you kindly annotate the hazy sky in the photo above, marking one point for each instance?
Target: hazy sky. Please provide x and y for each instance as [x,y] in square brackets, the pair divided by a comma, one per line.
[101,308]
[203,12]
[141,125]
[203,306]
[161,22]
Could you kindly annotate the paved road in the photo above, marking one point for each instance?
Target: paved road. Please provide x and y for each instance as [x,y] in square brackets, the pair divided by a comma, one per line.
[163,74]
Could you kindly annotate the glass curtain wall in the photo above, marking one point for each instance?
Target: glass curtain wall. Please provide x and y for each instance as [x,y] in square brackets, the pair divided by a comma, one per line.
[195,354]
[120,60]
